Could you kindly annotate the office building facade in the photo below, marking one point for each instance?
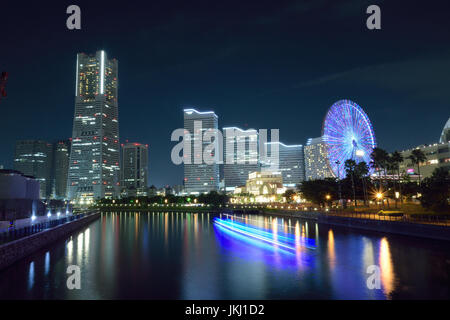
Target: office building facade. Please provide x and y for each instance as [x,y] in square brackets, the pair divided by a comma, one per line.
[134,166]
[34,158]
[61,155]
[291,163]
[94,169]
[240,156]
[199,175]
[316,160]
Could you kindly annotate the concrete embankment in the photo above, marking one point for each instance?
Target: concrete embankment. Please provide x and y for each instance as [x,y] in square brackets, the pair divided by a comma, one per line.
[395,227]
[15,250]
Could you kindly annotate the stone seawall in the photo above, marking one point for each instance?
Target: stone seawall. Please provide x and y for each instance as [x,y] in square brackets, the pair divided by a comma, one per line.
[15,250]
[396,227]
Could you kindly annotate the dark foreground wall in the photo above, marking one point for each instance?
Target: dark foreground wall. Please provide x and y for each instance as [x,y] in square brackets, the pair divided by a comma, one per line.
[13,251]
[397,227]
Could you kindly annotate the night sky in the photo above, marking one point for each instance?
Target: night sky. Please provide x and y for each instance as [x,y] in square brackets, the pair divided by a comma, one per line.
[257,64]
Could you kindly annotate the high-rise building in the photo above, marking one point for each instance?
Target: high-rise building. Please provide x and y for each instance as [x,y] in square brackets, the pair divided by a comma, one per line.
[94,169]
[134,166]
[240,156]
[34,158]
[291,163]
[316,162]
[61,154]
[199,175]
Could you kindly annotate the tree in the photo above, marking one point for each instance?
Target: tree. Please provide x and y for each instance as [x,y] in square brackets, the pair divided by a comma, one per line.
[361,171]
[396,159]
[289,195]
[214,198]
[350,167]
[380,163]
[316,191]
[417,157]
[379,158]
[436,191]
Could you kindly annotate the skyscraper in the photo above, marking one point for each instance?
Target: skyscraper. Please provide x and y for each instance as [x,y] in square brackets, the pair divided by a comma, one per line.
[316,162]
[94,170]
[61,154]
[291,163]
[134,166]
[199,176]
[34,158]
[240,156]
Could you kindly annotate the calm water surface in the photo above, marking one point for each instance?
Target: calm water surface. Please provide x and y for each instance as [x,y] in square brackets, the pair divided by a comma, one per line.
[188,256]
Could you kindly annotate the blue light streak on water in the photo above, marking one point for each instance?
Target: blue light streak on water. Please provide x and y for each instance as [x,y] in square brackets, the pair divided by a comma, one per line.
[277,239]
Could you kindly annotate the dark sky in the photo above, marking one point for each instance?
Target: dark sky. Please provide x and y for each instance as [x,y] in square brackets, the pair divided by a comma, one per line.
[261,64]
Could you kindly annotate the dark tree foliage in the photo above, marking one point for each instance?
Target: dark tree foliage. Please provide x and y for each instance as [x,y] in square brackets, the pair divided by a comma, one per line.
[213,198]
[317,190]
[289,195]
[436,191]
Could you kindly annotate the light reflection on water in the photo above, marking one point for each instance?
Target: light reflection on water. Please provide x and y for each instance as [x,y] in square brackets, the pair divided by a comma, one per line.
[185,256]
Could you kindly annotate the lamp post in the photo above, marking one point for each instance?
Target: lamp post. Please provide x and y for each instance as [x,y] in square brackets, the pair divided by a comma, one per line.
[328,197]
[379,196]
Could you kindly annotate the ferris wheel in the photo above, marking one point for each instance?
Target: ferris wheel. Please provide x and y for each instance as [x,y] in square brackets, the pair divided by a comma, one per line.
[348,134]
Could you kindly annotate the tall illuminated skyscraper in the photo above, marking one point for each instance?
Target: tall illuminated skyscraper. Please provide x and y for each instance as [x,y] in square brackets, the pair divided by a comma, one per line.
[199,176]
[316,162]
[291,163]
[240,156]
[94,170]
[134,166]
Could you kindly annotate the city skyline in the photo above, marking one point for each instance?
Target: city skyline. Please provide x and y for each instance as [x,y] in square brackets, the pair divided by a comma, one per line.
[235,70]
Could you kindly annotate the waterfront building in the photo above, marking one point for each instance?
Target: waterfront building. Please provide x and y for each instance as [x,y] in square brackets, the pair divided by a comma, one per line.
[316,162]
[34,158]
[240,156]
[135,167]
[94,158]
[438,156]
[291,163]
[199,176]
[19,196]
[265,186]
[445,135]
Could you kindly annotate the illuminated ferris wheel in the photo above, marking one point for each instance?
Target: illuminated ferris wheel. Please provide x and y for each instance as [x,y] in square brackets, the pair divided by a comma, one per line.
[348,134]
